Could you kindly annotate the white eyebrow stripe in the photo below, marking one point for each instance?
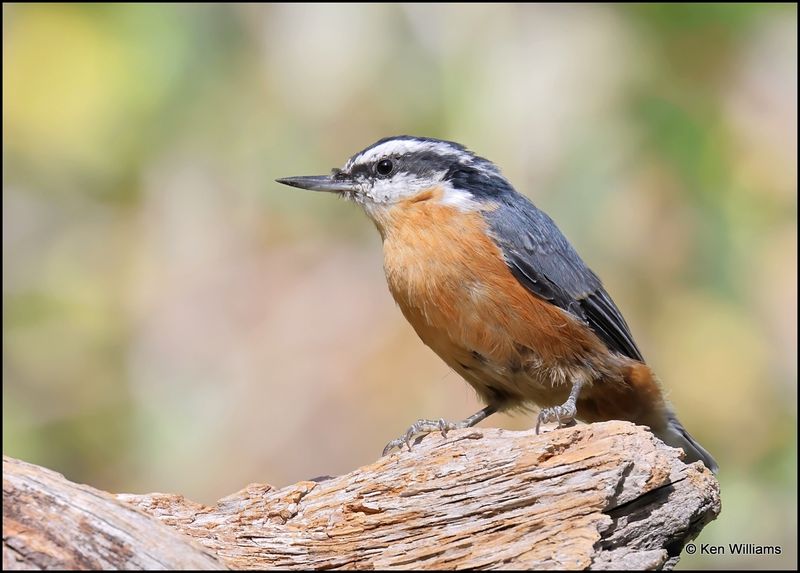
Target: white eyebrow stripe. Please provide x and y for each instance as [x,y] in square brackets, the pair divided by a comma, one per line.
[402,147]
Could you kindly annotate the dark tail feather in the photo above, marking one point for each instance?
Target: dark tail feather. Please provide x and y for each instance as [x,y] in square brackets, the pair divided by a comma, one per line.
[675,435]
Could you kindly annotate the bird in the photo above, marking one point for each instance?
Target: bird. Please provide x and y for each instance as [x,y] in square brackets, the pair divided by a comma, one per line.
[489,283]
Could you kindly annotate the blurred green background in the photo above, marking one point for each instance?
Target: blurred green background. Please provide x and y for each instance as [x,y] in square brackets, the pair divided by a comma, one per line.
[176,321]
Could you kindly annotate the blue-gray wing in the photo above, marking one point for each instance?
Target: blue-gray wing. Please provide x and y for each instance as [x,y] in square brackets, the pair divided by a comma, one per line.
[541,258]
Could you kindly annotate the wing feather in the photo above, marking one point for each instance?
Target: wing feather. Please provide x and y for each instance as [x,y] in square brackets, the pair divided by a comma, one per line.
[542,259]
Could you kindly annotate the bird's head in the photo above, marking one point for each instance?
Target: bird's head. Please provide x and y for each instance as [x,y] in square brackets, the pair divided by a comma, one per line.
[399,169]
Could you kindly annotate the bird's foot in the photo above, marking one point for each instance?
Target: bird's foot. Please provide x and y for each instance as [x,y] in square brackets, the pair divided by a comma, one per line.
[422,428]
[564,415]
[419,430]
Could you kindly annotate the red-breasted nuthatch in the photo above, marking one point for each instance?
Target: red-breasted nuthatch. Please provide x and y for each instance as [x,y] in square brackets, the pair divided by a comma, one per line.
[492,286]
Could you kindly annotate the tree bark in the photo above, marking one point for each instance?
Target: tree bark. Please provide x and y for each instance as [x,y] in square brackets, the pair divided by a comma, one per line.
[602,496]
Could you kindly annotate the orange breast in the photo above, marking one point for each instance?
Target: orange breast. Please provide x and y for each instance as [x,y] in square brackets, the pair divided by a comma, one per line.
[453,286]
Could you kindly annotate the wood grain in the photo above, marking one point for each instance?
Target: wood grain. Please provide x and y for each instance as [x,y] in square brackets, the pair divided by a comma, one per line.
[601,496]
[52,523]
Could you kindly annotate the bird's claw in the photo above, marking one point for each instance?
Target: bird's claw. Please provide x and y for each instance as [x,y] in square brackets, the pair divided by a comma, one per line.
[419,430]
[394,445]
[564,415]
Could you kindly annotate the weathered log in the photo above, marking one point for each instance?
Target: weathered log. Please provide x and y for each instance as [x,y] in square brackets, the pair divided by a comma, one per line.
[52,523]
[604,496]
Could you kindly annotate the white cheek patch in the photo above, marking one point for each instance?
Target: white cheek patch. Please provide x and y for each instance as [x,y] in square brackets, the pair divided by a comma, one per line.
[397,188]
[386,192]
[458,198]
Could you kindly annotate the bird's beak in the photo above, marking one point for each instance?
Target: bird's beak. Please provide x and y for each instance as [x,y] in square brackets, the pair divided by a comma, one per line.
[329,183]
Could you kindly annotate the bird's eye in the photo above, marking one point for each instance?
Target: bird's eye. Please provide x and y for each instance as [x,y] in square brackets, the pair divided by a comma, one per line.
[384,167]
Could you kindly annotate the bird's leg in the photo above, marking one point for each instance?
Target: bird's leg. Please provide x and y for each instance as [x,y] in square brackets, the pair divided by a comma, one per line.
[422,428]
[563,414]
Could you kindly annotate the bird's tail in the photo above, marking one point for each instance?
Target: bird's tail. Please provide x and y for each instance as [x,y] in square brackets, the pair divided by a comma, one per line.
[675,435]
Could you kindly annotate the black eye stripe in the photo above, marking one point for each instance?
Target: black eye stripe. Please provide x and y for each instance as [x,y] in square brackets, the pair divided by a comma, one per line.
[360,171]
[420,164]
